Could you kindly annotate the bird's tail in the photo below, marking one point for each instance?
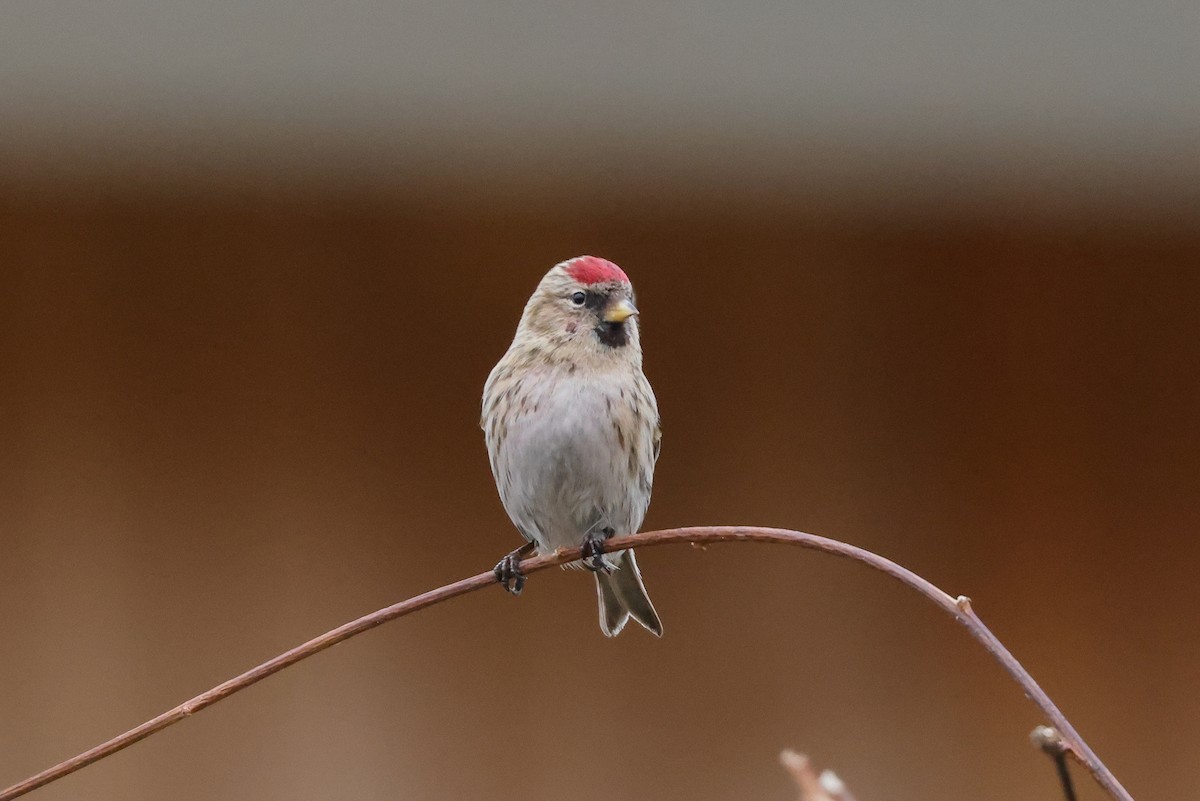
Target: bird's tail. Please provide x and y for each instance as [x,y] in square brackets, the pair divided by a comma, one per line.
[623,595]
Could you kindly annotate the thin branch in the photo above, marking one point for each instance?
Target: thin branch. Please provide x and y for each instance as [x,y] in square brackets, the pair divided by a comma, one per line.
[959,608]
[1051,743]
[825,787]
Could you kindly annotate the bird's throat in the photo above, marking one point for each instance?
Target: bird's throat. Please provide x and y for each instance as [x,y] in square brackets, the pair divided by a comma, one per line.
[613,335]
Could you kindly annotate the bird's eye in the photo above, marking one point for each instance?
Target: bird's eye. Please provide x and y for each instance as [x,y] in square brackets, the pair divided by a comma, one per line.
[578,298]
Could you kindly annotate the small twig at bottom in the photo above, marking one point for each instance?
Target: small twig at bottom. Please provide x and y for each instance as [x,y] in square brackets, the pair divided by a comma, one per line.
[825,787]
[959,608]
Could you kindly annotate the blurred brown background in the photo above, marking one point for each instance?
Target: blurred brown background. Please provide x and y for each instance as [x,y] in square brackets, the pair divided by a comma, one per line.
[929,285]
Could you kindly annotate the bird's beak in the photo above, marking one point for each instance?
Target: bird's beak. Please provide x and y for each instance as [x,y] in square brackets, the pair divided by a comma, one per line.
[620,311]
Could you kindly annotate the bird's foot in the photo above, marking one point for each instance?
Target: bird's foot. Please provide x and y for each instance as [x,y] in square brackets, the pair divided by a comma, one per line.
[593,550]
[508,570]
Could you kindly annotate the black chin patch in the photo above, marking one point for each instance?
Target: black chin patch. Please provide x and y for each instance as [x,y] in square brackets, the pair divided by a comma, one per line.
[614,335]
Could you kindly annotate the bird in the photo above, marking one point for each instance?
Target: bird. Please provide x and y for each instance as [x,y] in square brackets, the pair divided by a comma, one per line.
[573,432]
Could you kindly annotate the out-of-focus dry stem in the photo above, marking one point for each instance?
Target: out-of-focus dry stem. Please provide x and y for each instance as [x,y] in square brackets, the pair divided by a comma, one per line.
[825,787]
[959,608]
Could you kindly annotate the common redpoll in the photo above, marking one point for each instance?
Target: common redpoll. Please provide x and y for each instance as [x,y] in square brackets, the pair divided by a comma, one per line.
[573,432]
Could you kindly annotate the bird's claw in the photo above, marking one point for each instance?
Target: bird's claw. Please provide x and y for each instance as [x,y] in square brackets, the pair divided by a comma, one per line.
[508,573]
[592,551]
[508,570]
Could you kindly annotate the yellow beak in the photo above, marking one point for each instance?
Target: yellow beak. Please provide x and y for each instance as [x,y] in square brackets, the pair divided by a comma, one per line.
[620,311]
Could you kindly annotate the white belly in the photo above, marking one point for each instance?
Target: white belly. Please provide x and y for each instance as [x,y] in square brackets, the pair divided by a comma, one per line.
[562,471]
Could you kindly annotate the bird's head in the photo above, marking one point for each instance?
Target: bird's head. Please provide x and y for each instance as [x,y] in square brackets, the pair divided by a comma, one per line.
[583,309]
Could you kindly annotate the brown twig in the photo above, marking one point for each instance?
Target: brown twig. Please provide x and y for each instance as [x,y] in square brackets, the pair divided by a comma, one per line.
[825,787]
[959,608]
